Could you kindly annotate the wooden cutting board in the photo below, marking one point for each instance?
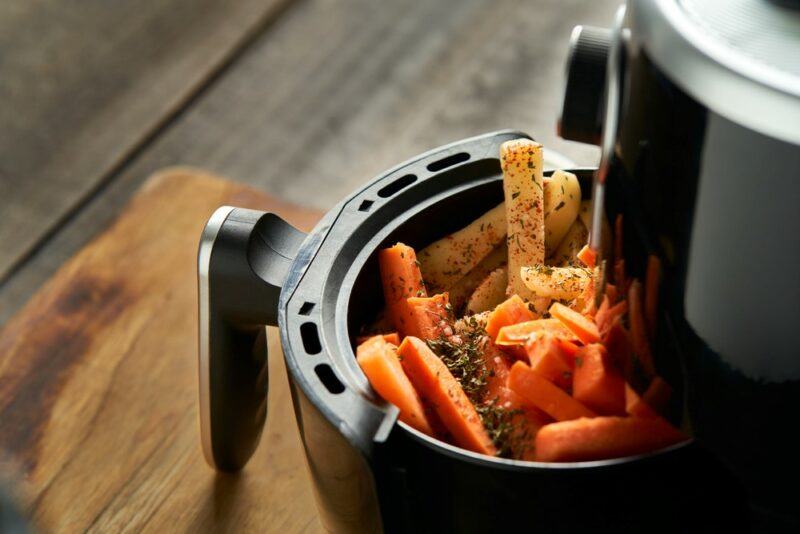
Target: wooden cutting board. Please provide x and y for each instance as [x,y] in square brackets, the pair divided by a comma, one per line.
[98,384]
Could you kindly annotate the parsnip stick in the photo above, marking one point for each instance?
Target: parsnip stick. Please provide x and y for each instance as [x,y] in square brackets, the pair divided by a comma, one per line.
[521,161]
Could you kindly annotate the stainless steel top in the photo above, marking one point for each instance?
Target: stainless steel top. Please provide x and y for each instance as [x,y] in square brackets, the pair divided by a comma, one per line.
[740,58]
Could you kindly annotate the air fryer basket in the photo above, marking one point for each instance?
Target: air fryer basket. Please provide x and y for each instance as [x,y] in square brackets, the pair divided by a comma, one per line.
[368,468]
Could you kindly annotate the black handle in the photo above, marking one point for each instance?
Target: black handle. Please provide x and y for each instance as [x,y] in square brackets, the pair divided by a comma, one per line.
[243,260]
[582,107]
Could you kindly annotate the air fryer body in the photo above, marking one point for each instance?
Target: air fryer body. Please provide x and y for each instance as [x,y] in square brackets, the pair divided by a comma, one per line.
[718,201]
[368,469]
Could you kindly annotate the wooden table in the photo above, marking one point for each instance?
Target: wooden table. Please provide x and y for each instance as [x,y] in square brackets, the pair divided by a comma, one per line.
[305,99]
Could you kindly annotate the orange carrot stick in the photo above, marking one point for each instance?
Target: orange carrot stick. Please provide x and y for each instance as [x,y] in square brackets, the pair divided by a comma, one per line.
[588,256]
[600,438]
[635,406]
[401,279]
[651,285]
[570,350]
[657,394]
[607,314]
[638,329]
[582,327]
[434,382]
[545,395]
[393,338]
[498,368]
[619,347]
[596,384]
[430,317]
[548,361]
[378,359]
[512,311]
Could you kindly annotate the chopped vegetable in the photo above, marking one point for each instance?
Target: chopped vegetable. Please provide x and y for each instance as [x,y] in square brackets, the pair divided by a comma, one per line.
[635,406]
[604,437]
[485,365]
[430,317]
[562,201]
[512,311]
[566,253]
[545,395]
[378,360]
[447,260]
[588,256]
[401,279]
[547,359]
[562,283]
[583,328]
[596,383]
[641,345]
[522,164]
[461,290]
[518,334]
[490,292]
[436,385]
[393,338]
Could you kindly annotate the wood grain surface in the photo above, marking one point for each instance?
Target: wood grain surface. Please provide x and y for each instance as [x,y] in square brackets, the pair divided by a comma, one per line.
[333,92]
[86,84]
[98,374]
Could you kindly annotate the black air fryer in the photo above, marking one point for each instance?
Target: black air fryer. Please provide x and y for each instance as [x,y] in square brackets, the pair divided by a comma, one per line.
[685,174]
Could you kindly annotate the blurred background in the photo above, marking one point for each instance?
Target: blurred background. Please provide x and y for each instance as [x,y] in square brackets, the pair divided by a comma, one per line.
[303,98]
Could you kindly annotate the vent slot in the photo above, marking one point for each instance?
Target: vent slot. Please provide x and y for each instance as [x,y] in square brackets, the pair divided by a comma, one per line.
[310,336]
[365,205]
[306,308]
[449,161]
[397,185]
[328,378]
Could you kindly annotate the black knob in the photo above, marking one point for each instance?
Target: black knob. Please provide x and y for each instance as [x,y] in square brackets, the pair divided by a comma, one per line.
[581,111]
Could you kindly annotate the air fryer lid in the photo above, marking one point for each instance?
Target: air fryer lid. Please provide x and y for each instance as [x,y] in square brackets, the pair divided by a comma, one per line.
[740,58]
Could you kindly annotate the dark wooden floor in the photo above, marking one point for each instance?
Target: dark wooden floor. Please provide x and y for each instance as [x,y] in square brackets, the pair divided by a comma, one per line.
[304,98]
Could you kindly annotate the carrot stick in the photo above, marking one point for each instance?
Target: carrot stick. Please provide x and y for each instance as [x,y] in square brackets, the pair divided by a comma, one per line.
[547,360]
[582,327]
[436,385]
[604,437]
[651,285]
[641,345]
[393,338]
[596,384]
[514,310]
[378,359]
[635,406]
[401,279]
[587,256]
[430,317]
[569,350]
[619,347]
[545,395]
[657,394]
[498,368]
[607,315]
